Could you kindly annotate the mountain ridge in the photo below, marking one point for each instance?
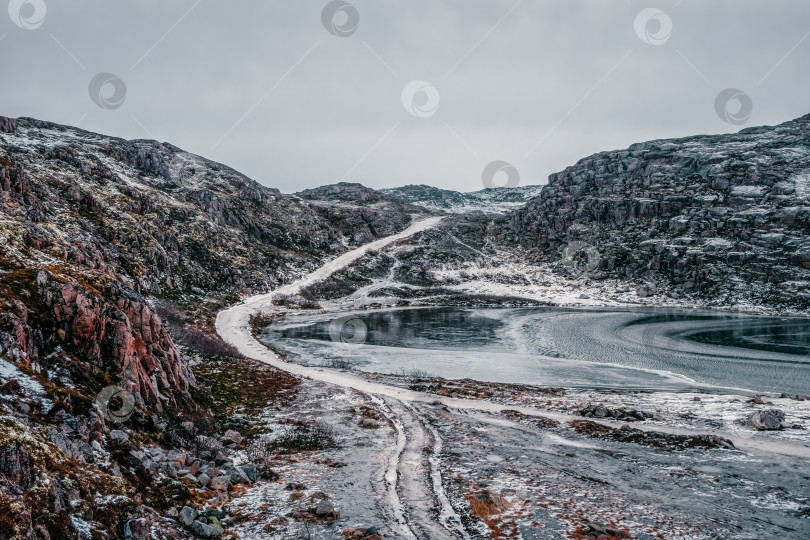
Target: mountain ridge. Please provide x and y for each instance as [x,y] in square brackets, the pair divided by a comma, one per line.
[485,201]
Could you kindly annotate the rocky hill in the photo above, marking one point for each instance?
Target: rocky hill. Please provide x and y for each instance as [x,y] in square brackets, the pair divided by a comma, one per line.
[486,201]
[358,213]
[95,225]
[102,239]
[723,217]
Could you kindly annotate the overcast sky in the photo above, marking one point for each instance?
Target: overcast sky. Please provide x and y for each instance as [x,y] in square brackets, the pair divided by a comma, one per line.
[266,88]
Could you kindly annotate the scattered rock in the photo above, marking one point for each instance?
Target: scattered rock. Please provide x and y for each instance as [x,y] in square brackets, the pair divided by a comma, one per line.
[653,439]
[372,533]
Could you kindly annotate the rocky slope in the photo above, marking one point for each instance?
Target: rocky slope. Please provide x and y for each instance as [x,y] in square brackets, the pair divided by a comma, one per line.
[486,201]
[724,218]
[99,235]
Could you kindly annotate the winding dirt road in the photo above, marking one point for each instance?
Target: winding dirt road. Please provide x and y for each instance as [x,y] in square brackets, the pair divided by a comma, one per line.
[418,505]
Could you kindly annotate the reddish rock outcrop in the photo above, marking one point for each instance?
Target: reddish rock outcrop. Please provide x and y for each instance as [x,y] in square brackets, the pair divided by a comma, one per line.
[119,333]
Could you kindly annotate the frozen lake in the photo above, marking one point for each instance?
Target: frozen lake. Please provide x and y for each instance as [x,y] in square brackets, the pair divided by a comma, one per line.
[589,348]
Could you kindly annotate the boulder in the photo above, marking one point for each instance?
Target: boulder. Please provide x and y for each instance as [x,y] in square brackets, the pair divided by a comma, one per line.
[216,528]
[324,508]
[221,483]
[214,513]
[767,420]
[177,456]
[368,423]
[187,516]
[238,476]
[203,529]
[251,471]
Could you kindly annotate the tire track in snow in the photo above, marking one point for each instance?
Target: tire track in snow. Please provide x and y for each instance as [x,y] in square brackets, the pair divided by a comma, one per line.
[447,514]
[392,472]
[415,480]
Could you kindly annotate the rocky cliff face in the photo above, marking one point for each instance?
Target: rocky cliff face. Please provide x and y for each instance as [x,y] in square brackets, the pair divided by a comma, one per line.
[723,217]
